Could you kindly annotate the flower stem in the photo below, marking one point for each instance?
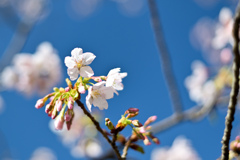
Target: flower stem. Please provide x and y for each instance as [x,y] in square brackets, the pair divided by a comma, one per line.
[125,149]
[95,122]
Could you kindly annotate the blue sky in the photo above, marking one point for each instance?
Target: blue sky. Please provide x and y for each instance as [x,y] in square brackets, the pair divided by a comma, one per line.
[118,41]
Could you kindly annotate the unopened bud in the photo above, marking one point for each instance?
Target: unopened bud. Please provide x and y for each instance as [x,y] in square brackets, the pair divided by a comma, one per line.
[70,103]
[150,120]
[59,105]
[69,83]
[109,124]
[58,123]
[69,123]
[81,89]
[48,108]
[154,139]
[54,113]
[40,103]
[146,141]
[96,79]
[131,115]
[68,115]
[67,89]
[131,110]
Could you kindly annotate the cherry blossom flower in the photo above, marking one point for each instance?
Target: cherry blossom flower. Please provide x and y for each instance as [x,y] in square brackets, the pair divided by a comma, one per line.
[114,79]
[77,64]
[181,150]
[97,95]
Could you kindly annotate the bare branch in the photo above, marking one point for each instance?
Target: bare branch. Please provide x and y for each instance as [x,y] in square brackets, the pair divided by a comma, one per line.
[235,88]
[80,104]
[165,58]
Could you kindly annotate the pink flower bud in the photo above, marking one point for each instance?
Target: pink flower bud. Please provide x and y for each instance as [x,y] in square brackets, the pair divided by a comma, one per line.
[70,103]
[81,89]
[59,105]
[58,123]
[48,108]
[67,116]
[39,104]
[54,113]
[67,89]
[146,141]
[96,79]
[150,120]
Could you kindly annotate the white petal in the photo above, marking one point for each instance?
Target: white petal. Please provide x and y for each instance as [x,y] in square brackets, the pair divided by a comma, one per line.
[107,92]
[76,52]
[110,81]
[73,73]
[88,58]
[89,101]
[118,86]
[86,71]
[98,85]
[100,102]
[113,71]
[123,75]
[69,62]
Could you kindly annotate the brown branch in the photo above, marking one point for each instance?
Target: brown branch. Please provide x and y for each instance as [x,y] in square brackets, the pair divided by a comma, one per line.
[95,122]
[165,58]
[235,88]
[125,149]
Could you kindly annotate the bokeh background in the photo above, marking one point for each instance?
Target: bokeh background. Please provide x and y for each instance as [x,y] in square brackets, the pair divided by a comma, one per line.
[120,34]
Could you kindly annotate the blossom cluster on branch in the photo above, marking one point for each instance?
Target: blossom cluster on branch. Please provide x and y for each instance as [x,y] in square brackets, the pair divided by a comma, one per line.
[100,88]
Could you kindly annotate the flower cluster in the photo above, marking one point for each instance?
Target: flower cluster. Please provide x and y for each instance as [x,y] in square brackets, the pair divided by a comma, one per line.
[33,72]
[99,92]
[139,131]
[62,100]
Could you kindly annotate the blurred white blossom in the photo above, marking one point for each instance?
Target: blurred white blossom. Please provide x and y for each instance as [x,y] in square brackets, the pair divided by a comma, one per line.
[181,149]
[223,34]
[200,90]
[43,153]
[30,10]
[33,72]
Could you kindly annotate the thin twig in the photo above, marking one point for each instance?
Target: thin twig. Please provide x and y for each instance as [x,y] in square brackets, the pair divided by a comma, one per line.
[114,138]
[235,88]
[125,149]
[95,122]
[165,58]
